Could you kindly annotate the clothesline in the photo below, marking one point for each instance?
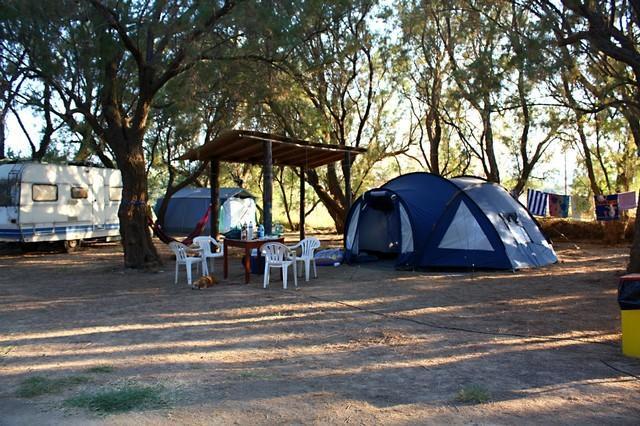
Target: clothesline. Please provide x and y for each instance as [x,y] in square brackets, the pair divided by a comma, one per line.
[607,207]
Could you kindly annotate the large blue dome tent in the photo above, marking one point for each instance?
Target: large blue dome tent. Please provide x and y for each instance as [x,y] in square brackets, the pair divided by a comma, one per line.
[427,221]
[188,205]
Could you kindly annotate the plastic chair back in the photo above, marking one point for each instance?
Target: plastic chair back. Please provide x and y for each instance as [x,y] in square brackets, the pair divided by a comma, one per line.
[180,250]
[308,245]
[205,244]
[275,253]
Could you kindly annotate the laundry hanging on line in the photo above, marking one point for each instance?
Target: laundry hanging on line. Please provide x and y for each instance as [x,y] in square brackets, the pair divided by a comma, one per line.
[537,202]
[559,205]
[607,207]
[627,200]
[581,205]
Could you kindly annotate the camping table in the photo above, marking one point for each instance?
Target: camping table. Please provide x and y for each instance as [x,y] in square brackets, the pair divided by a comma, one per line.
[248,245]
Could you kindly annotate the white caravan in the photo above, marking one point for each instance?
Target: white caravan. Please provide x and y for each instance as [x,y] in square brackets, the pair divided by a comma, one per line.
[49,202]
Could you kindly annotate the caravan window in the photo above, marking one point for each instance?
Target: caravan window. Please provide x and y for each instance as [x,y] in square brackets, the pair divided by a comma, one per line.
[44,192]
[115,193]
[79,192]
[7,193]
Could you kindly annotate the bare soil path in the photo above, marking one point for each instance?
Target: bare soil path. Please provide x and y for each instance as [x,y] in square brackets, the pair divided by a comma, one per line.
[362,344]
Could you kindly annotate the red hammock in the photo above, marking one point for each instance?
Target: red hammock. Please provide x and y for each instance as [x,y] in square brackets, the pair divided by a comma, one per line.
[165,238]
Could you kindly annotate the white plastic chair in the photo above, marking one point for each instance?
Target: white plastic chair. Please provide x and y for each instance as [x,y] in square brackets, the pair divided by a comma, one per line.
[278,255]
[307,248]
[182,258]
[204,243]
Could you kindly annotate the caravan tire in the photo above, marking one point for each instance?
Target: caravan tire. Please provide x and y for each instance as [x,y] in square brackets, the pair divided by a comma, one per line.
[71,245]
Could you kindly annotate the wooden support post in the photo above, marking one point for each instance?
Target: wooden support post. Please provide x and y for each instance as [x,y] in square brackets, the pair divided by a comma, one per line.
[347,182]
[267,182]
[214,182]
[302,207]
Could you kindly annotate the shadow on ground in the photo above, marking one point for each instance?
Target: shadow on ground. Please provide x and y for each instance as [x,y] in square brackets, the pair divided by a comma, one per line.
[362,342]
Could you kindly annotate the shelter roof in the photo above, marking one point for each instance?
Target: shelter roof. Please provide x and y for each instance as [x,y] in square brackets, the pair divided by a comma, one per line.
[244,146]
[225,193]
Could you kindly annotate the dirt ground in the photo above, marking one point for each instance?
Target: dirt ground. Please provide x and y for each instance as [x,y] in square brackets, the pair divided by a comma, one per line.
[361,344]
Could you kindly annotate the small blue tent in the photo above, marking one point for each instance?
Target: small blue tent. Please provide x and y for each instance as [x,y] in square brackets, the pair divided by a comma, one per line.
[427,221]
[188,205]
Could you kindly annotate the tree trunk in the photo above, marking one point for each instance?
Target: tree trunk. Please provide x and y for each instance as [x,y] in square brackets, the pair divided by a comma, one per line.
[433,125]
[634,256]
[335,209]
[588,161]
[139,251]
[434,133]
[522,180]
[285,201]
[2,136]
[493,174]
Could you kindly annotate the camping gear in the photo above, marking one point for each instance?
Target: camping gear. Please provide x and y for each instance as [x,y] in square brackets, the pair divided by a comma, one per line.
[277,255]
[234,234]
[329,257]
[307,248]
[183,258]
[629,300]
[188,240]
[256,262]
[237,206]
[204,243]
[426,221]
[537,202]
[247,246]
[59,202]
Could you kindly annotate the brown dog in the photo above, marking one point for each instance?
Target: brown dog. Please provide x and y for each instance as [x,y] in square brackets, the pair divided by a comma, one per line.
[206,281]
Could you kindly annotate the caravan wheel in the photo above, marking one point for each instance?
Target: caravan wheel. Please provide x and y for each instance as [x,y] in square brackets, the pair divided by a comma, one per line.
[71,245]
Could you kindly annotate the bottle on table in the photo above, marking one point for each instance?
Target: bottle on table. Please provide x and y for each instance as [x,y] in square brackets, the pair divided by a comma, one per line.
[243,232]
[250,231]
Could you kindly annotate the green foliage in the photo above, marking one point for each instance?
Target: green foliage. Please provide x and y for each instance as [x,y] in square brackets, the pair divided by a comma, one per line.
[4,350]
[122,399]
[101,369]
[440,86]
[473,394]
[611,146]
[39,385]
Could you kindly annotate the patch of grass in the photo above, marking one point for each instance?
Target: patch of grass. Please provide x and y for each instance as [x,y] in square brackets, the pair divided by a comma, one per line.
[101,369]
[249,375]
[255,375]
[118,400]
[473,394]
[38,385]
[4,350]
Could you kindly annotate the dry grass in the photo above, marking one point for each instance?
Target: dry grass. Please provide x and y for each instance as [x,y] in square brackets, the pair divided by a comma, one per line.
[575,230]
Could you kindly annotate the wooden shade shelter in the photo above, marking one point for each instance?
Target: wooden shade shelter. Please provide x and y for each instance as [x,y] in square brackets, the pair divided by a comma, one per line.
[243,146]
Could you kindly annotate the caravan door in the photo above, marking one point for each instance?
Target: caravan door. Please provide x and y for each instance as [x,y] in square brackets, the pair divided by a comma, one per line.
[99,195]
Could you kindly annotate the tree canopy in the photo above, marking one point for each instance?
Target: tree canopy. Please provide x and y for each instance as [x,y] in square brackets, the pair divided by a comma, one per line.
[493,88]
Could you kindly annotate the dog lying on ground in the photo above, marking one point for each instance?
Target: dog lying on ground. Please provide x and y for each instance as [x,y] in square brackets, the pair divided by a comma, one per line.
[205,281]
